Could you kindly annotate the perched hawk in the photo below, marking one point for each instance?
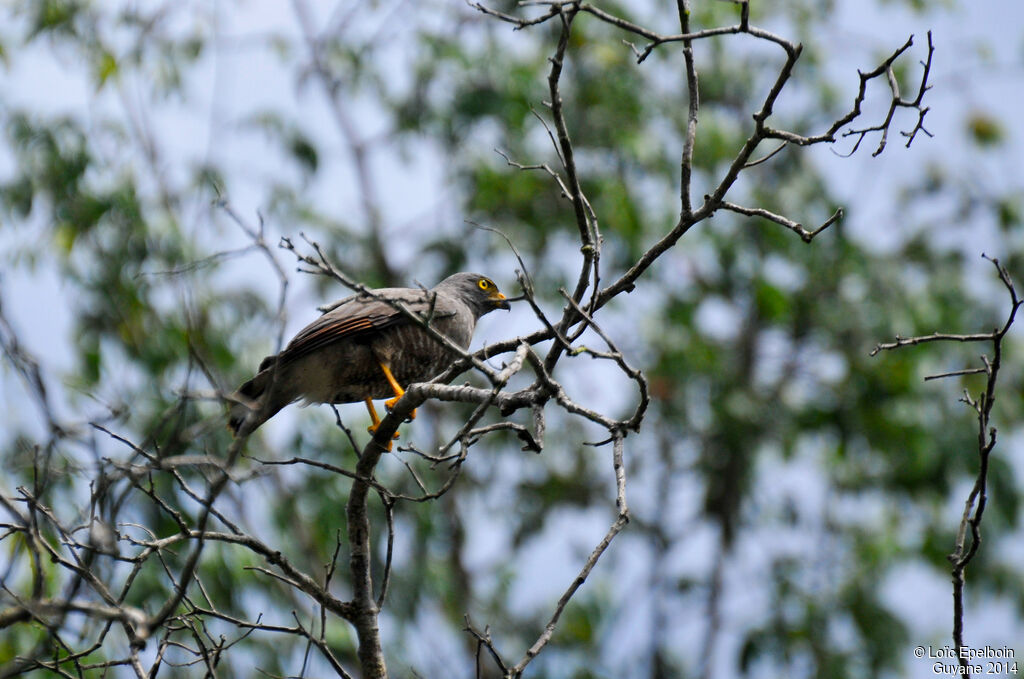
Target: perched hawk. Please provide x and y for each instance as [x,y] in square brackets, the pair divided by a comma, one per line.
[365,349]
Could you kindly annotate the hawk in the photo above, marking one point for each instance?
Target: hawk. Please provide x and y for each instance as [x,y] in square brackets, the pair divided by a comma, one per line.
[365,348]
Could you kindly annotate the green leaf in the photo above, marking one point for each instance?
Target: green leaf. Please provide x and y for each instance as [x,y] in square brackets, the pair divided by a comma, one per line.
[303,150]
[106,68]
[985,130]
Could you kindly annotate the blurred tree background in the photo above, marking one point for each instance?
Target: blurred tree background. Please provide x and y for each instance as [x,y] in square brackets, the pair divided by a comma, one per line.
[793,499]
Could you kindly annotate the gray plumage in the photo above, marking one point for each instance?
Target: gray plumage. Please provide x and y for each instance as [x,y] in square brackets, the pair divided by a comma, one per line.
[338,357]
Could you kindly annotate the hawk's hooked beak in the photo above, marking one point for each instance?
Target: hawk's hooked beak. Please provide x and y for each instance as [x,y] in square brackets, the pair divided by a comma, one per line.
[499,301]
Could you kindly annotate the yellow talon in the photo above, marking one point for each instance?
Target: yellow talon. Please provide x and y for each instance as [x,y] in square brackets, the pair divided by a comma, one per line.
[389,404]
[399,392]
[375,421]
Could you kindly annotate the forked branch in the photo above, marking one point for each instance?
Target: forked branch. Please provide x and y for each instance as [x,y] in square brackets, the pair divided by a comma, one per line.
[974,506]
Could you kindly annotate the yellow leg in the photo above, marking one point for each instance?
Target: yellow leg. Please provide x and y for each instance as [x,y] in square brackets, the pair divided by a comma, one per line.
[399,392]
[375,420]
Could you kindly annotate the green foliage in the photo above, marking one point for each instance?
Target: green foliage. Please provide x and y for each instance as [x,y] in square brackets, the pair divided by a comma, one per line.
[54,16]
[985,130]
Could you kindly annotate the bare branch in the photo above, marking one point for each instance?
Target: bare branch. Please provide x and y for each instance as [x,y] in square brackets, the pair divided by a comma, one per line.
[484,642]
[693,106]
[934,337]
[620,522]
[805,235]
[974,505]
[957,373]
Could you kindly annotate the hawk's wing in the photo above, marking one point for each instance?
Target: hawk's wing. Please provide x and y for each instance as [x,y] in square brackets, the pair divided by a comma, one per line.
[354,318]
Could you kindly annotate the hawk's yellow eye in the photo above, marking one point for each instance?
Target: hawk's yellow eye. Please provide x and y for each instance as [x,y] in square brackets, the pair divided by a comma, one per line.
[484,284]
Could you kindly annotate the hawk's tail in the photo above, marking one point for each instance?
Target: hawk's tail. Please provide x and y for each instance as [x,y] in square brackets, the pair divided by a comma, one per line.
[249,393]
[252,405]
